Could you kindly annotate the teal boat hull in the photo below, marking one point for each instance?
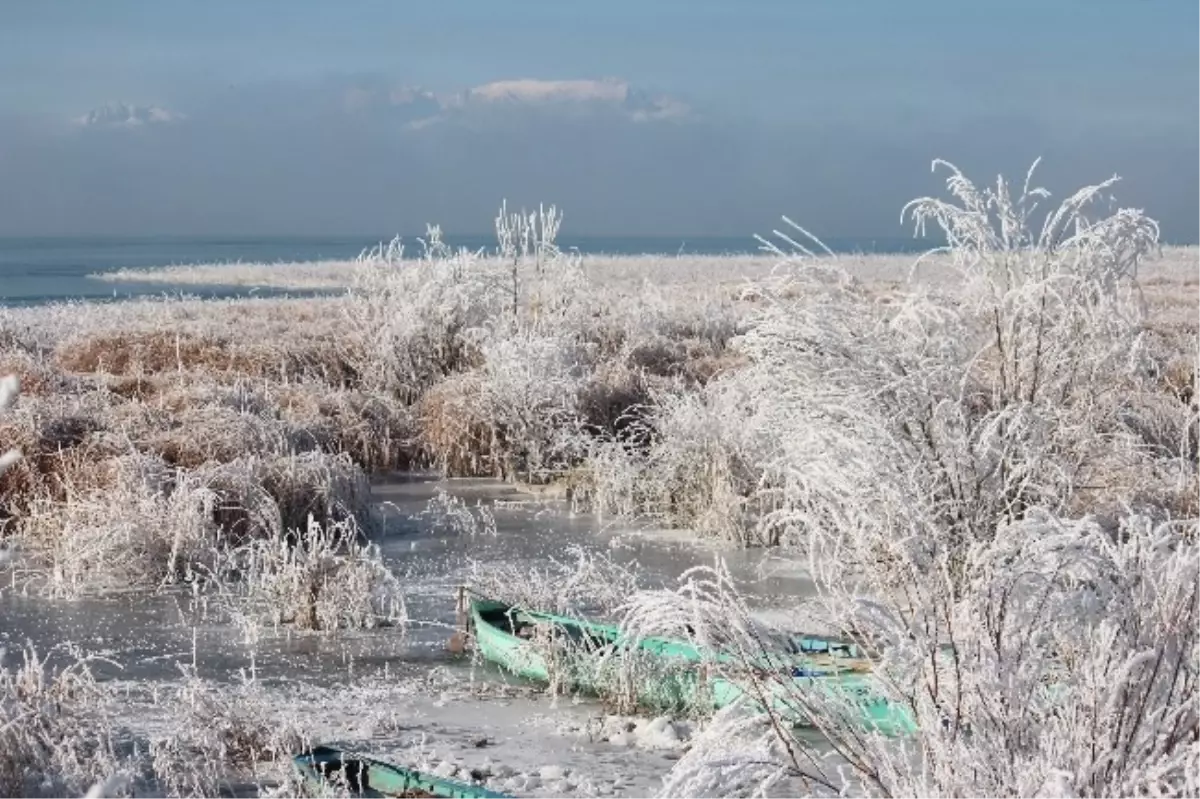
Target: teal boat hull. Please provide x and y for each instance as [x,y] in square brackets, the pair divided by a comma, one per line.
[497,629]
[585,666]
[326,768]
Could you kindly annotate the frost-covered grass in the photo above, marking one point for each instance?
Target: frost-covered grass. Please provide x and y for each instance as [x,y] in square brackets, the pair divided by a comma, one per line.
[289,275]
[320,578]
[989,457]
[69,735]
[55,735]
[606,269]
[65,733]
[222,739]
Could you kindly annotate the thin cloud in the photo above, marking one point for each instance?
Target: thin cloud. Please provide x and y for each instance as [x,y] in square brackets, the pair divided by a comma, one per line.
[371,155]
[125,115]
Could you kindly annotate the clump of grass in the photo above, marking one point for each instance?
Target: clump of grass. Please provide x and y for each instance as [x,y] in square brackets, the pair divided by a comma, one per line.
[55,736]
[738,754]
[583,583]
[37,376]
[219,434]
[613,403]
[455,431]
[60,739]
[449,514]
[326,578]
[63,446]
[693,360]
[141,532]
[223,739]
[155,525]
[286,275]
[375,430]
[263,498]
[143,353]
[698,468]
[513,416]
[511,419]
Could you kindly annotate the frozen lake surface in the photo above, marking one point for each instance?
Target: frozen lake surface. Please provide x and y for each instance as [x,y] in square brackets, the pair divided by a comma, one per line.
[406,696]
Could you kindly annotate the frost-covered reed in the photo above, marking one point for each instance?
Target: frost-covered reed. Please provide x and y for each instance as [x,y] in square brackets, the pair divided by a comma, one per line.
[989,456]
[996,490]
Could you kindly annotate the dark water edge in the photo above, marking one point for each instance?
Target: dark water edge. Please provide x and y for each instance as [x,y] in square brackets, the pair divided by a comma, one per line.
[36,271]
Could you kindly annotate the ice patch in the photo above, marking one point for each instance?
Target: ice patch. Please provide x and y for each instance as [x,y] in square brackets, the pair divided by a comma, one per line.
[550,773]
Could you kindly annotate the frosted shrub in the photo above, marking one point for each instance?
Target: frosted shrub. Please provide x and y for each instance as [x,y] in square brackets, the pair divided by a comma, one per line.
[700,469]
[955,415]
[514,417]
[1052,660]
[703,463]
[925,457]
[327,578]
[423,319]
[420,320]
[530,388]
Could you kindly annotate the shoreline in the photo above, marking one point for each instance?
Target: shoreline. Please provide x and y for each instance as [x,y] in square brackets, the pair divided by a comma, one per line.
[341,274]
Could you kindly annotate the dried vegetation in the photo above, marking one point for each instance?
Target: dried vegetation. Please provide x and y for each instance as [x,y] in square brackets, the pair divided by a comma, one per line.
[995,449]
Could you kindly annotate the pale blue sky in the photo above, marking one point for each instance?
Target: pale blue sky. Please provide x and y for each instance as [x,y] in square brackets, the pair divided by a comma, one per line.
[828,111]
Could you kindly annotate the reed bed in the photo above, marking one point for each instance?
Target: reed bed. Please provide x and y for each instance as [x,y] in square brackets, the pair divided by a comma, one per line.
[992,449]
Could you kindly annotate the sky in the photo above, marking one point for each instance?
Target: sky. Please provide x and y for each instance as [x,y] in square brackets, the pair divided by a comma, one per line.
[667,117]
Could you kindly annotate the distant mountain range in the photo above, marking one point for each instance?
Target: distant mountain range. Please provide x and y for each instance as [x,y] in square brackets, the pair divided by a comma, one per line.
[416,107]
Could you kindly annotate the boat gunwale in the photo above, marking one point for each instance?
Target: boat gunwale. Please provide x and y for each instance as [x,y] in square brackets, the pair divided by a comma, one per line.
[823,665]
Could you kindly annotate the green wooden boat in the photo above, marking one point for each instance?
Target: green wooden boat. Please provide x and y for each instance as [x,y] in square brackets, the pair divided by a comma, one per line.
[325,768]
[509,636]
